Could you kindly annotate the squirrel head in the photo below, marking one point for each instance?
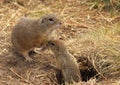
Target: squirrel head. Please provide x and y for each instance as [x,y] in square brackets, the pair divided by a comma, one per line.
[57,47]
[49,22]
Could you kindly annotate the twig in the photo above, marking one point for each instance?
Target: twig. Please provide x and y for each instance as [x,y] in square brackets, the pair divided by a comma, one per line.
[107,19]
[62,12]
[98,70]
[11,69]
[8,22]
[52,80]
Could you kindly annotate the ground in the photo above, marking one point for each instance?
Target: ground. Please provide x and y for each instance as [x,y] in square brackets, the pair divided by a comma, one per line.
[77,18]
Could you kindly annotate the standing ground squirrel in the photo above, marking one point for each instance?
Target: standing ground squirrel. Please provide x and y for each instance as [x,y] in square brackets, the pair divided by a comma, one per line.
[30,33]
[65,62]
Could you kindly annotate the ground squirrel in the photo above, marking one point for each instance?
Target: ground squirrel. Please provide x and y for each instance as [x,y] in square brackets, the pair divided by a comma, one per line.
[65,61]
[30,33]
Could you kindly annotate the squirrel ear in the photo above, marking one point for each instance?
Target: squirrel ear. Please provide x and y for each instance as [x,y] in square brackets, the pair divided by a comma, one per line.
[42,20]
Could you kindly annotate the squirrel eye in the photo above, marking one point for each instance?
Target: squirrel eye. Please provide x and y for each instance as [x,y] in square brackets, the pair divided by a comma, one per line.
[50,19]
[53,44]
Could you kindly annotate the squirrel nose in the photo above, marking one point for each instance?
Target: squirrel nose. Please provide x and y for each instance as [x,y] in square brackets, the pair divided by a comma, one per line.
[60,23]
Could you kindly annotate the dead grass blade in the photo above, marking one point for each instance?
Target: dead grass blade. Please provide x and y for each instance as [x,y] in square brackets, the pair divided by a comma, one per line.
[11,69]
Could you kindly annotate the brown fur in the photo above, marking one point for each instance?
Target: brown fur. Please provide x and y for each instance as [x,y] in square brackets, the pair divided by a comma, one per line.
[30,33]
[65,62]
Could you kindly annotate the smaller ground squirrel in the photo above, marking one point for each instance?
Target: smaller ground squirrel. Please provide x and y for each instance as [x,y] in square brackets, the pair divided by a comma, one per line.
[65,62]
[30,33]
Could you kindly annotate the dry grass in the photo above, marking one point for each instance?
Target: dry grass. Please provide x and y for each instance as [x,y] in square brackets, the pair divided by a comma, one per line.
[84,32]
[113,6]
[101,47]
